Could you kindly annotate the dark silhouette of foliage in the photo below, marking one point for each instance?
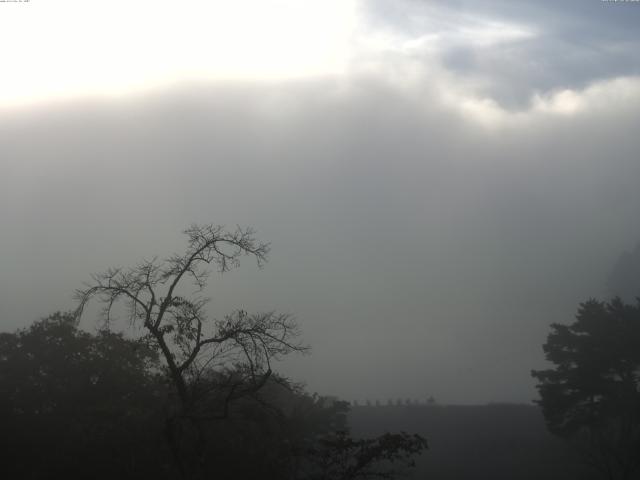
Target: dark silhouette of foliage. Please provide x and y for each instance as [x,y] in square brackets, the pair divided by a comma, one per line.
[81,405]
[270,435]
[340,457]
[591,395]
[77,405]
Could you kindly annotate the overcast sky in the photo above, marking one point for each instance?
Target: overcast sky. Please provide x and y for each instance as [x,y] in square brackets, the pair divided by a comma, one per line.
[439,180]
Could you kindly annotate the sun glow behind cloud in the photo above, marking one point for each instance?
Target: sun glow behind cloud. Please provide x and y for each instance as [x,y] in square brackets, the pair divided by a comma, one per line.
[77,47]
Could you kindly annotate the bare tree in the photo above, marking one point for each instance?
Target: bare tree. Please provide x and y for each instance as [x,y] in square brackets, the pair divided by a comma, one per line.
[210,363]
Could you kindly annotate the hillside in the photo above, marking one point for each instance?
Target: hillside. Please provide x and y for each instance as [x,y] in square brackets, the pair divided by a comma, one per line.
[500,441]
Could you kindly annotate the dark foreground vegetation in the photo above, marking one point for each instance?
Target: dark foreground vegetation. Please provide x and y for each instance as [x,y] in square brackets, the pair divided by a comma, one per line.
[77,405]
[179,395]
[591,396]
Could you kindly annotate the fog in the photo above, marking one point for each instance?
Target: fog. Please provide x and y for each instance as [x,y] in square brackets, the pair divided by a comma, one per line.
[430,211]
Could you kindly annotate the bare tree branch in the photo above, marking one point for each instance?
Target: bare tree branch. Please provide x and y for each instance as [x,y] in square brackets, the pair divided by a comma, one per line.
[179,327]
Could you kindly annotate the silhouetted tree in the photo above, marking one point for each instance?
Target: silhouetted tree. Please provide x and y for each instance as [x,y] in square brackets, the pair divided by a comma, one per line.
[77,405]
[216,366]
[591,395]
[241,346]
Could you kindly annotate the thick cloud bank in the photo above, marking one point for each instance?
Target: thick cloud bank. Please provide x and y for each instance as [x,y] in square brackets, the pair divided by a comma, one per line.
[431,211]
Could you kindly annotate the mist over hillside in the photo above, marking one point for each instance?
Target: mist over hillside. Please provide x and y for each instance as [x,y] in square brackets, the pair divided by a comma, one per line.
[225,223]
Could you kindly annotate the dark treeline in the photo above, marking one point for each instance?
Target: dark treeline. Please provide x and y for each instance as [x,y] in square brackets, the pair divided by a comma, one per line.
[77,405]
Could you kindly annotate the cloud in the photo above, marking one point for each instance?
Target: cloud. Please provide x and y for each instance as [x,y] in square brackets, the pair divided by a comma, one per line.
[614,95]
[75,48]
[431,209]
[510,52]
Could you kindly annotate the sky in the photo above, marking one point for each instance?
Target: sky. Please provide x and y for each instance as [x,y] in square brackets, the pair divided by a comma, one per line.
[439,181]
